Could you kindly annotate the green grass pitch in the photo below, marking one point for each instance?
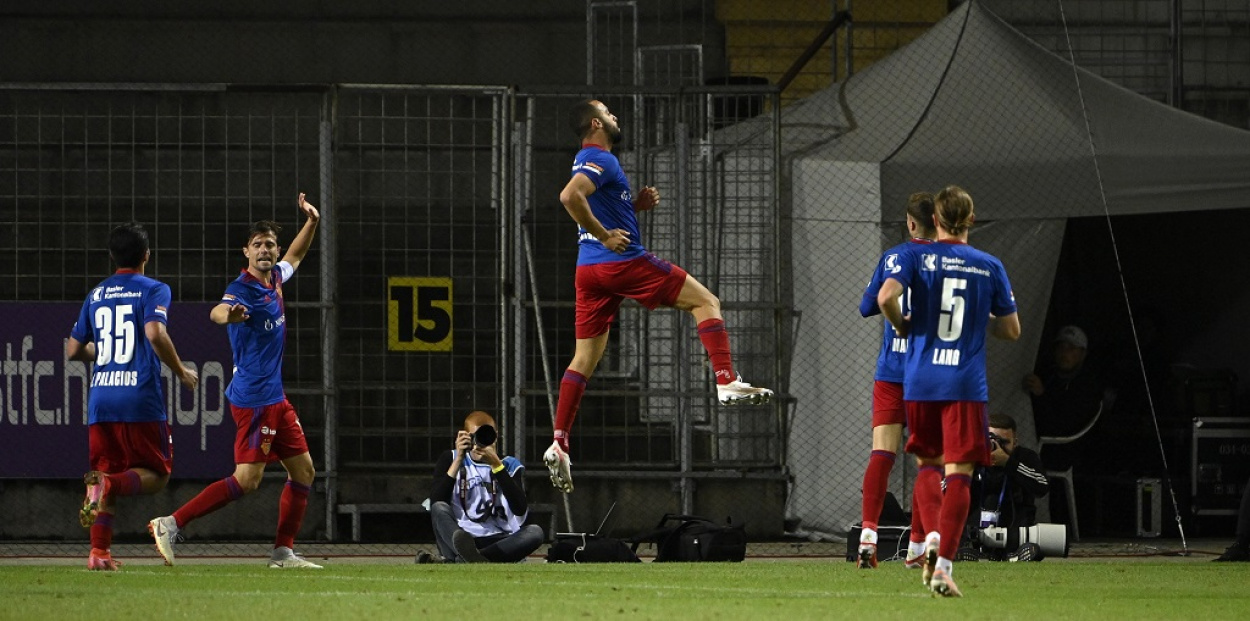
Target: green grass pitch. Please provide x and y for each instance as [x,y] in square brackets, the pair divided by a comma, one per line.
[774,589]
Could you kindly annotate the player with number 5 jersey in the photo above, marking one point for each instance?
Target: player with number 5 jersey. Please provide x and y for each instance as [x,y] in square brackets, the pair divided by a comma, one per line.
[957,294]
[121,328]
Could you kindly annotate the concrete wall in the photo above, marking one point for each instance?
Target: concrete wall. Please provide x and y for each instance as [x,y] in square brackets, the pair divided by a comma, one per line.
[288,41]
[292,42]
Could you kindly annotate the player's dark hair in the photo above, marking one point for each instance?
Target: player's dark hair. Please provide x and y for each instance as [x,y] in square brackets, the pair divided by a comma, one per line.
[953,208]
[1002,421]
[128,244]
[920,208]
[580,116]
[263,227]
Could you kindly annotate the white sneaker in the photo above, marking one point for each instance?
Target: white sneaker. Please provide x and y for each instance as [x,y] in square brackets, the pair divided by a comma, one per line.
[286,558]
[558,463]
[164,530]
[738,391]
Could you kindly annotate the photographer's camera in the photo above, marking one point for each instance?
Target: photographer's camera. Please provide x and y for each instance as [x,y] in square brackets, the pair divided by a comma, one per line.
[485,436]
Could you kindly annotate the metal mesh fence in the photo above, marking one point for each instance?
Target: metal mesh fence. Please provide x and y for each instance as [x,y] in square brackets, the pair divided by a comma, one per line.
[442,277]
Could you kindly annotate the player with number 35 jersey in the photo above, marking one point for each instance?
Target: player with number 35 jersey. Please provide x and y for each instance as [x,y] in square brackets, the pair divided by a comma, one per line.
[121,329]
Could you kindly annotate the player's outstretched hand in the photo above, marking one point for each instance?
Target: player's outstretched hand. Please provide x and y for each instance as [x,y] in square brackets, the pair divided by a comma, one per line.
[617,240]
[308,208]
[238,314]
[647,199]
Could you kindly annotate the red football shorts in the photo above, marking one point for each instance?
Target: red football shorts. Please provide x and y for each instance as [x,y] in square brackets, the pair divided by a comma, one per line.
[118,447]
[957,430]
[268,433]
[601,288]
[887,404]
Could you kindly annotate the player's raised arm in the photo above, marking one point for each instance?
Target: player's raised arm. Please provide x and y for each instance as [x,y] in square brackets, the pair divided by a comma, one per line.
[303,241]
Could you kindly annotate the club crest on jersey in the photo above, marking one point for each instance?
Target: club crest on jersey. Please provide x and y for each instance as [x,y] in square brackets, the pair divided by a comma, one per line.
[928,262]
[891,264]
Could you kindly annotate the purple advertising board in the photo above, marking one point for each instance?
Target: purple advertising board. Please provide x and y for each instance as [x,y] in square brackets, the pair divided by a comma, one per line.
[43,396]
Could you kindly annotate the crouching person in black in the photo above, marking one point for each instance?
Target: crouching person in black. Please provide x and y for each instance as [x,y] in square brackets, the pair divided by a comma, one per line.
[1009,491]
[477,500]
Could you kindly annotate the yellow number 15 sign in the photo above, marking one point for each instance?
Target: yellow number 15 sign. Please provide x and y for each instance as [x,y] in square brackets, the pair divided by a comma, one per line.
[418,314]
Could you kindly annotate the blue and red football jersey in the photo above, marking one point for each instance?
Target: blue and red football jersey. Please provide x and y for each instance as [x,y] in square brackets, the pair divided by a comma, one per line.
[258,342]
[892,358]
[126,380]
[953,288]
[612,203]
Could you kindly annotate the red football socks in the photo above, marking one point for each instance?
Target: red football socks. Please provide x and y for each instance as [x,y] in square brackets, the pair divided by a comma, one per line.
[125,483]
[876,479]
[212,498]
[954,513]
[572,387]
[716,341]
[102,531]
[928,497]
[291,513]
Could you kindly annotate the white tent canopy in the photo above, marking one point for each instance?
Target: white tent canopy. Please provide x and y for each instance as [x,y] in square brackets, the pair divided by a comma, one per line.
[975,103]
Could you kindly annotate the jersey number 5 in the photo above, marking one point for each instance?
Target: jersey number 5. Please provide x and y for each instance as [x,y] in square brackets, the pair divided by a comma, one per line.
[951,315]
[115,328]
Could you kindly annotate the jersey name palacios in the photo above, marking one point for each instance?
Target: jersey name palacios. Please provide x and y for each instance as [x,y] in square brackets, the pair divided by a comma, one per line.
[126,382]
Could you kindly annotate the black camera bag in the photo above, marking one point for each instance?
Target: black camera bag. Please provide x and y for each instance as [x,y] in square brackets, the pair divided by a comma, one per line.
[589,548]
[691,538]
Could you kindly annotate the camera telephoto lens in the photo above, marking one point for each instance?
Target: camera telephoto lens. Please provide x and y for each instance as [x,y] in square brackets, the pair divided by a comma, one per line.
[485,436]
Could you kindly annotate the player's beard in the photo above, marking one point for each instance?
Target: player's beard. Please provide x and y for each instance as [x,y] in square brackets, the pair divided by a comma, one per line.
[616,136]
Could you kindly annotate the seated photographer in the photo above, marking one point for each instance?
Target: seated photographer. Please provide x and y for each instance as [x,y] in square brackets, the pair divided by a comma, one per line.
[1009,489]
[477,500]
